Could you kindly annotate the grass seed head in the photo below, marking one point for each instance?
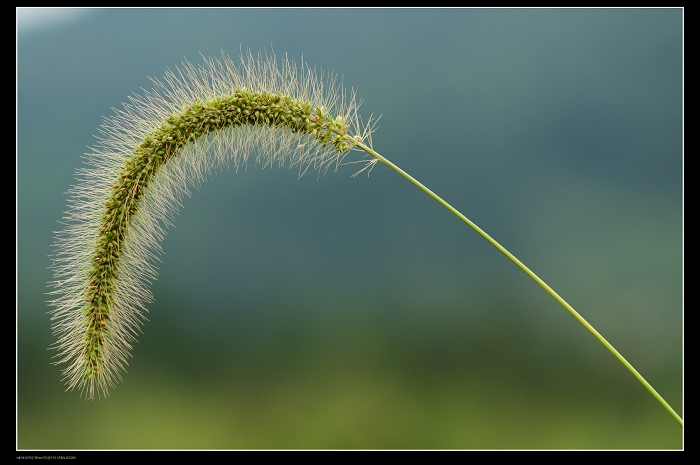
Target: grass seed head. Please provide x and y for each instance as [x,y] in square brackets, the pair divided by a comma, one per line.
[196,120]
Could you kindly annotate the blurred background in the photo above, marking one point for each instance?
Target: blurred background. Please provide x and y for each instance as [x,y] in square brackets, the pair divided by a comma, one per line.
[341,312]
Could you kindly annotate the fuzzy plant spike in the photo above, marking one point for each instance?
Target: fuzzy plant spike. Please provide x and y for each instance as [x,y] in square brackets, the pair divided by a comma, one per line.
[197,120]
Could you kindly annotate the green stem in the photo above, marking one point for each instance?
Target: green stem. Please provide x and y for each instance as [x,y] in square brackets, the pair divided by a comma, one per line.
[527,271]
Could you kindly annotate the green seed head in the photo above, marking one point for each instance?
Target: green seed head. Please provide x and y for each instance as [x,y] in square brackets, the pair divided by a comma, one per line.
[137,175]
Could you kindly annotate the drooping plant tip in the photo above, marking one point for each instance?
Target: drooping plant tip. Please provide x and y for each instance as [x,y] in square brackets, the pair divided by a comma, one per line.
[224,112]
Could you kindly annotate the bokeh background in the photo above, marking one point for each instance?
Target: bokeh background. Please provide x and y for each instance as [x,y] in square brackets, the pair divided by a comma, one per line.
[341,312]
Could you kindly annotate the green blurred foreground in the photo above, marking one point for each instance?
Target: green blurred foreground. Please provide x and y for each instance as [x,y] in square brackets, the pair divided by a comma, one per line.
[303,381]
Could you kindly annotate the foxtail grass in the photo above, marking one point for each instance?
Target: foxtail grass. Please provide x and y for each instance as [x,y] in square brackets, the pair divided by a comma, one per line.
[197,119]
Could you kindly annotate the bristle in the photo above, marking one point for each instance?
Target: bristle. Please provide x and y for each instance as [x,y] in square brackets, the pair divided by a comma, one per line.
[129,191]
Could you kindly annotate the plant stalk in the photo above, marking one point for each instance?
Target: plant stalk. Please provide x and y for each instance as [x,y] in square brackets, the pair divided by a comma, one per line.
[527,271]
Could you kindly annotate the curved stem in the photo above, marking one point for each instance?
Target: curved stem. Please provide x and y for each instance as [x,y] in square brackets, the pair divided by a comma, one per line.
[527,271]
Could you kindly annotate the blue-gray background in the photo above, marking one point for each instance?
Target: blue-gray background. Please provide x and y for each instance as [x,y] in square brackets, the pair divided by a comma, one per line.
[355,312]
